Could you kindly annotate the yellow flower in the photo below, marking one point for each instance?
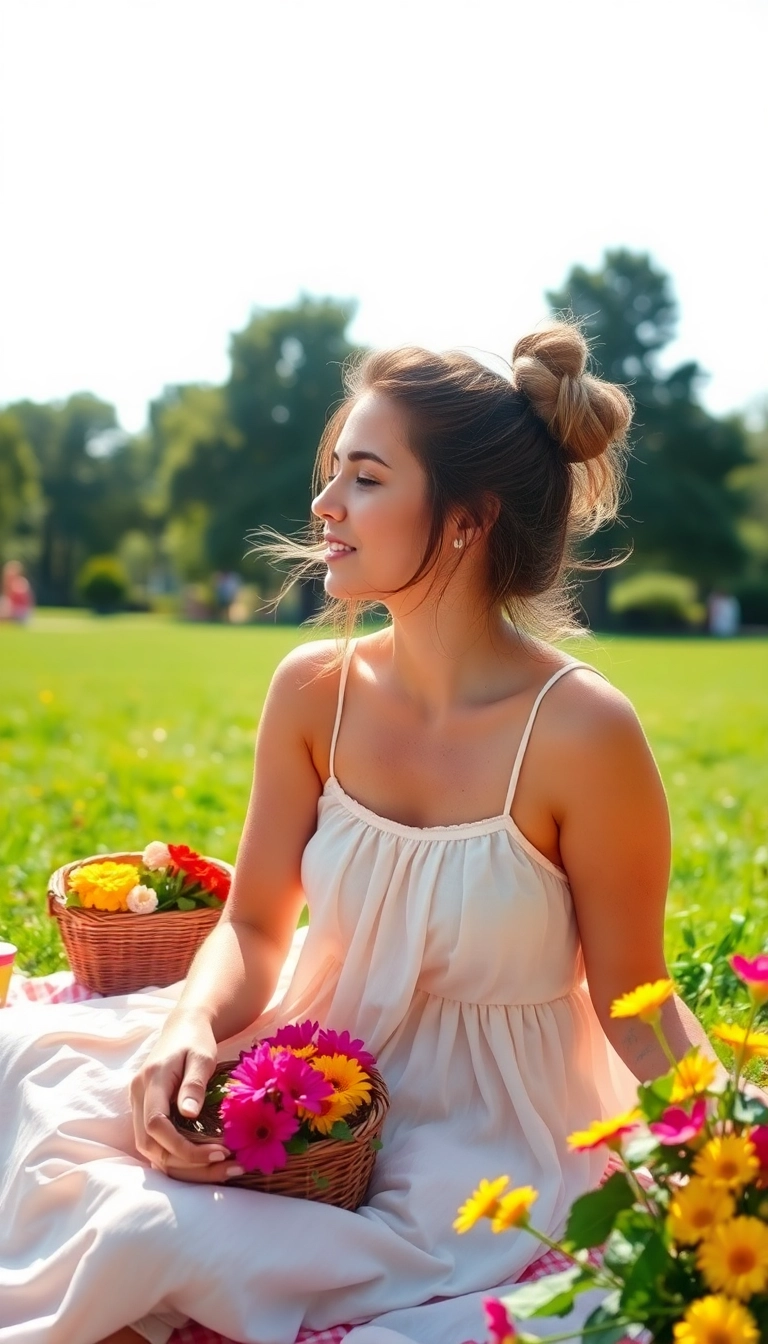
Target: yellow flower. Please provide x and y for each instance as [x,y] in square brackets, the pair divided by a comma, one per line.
[45,697]
[608,1132]
[734,1258]
[716,1320]
[104,886]
[644,1002]
[482,1203]
[729,1160]
[351,1089]
[694,1073]
[512,1208]
[748,1044]
[698,1207]
[300,1051]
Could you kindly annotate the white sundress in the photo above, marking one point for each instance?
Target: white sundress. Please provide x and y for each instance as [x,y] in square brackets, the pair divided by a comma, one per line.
[453,951]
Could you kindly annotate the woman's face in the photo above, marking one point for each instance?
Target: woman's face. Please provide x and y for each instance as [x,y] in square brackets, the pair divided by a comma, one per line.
[374,510]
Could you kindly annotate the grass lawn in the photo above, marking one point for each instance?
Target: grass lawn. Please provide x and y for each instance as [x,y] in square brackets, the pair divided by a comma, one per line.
[117,731]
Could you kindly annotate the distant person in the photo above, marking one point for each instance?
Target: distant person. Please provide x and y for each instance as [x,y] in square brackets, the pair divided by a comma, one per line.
[226,586]
[723,614]
[17,599]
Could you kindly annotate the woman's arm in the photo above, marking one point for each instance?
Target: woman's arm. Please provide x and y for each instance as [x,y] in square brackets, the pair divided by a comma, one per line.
[615,847]
[236,970]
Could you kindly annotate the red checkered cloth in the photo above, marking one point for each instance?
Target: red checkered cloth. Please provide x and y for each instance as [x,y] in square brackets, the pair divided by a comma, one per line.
[62,988]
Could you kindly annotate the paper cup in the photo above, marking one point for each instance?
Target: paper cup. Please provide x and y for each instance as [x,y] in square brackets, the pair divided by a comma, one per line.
[7,954]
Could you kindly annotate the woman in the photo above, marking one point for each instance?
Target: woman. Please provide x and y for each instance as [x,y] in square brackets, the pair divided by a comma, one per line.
[474,819]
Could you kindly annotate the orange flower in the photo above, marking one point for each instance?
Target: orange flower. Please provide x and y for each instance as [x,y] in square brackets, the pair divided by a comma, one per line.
[609,1132]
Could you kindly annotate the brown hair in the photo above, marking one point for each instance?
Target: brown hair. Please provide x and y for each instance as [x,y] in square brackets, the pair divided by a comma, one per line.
[534,459]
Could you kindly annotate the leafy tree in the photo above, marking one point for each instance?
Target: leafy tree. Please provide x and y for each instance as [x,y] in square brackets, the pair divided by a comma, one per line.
[244,452]
[90,478]
[19,482]
[683,513]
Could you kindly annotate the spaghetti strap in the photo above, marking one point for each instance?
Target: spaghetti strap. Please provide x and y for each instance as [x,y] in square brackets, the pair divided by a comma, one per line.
[517,767]
[340,705]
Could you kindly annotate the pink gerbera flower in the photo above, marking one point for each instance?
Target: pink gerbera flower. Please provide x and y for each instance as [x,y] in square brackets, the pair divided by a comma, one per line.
[754,973]
[296,1035]
[500,1328]
[299,1084]
[256,1132]
[339,1043]
[254,1076]
[676,1127]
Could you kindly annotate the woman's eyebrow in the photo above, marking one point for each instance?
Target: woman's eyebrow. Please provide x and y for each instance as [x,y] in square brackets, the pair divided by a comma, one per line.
[362,455]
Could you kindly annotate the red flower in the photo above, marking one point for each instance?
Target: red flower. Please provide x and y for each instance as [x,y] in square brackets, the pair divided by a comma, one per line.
[211,878]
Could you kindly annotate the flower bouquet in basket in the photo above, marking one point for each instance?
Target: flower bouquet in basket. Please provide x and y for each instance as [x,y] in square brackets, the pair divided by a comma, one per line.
[302,1113]
[135,919]
[682,1222]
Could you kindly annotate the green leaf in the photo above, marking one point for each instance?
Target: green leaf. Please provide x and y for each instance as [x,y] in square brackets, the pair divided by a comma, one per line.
[551,1296]
[654,1097]
[606,1315]
[641,1287]
[183,903]
[297,1144]
[592,1215]
[340,1130]
[639,1148]
[376,1145]
[73,899]
[322,1182]
[748,1110]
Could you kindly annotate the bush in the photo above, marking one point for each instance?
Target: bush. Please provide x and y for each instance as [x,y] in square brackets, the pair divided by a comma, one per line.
[103,583]
[656,601]
[753,600]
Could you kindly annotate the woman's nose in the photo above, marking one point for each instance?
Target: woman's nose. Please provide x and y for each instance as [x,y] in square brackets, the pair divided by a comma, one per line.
[327,504]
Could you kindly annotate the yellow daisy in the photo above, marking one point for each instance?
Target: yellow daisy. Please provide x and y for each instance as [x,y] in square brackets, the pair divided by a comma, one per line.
[351,1089]
[694,1073]
[716,1320]
[697,1208]
[644,1002]
[734,1258]
[747,1044]
[482,1203]
[727,1160]
[104,886]
[512,1208]
[300,1051]
[609,1132]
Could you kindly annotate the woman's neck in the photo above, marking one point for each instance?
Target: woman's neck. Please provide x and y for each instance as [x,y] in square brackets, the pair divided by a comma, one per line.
[443,658]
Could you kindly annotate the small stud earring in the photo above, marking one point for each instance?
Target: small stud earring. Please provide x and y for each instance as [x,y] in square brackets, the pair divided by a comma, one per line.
[458,543]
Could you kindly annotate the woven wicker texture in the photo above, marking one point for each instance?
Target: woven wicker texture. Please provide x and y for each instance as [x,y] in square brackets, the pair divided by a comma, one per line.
[331,1171]
[117,953]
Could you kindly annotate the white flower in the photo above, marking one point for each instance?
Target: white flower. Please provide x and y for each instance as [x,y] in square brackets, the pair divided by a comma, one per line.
[142,900]
[156,855]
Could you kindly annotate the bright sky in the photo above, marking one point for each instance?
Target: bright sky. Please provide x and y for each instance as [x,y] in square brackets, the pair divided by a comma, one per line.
[167,165]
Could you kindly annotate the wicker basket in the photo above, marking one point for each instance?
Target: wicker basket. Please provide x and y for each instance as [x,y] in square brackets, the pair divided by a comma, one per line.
[117,953]
[331,1171]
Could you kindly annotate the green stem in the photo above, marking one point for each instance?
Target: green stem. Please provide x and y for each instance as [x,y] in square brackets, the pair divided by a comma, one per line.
[658,1032]
[580,1332]
[603,1278]
[640,1193]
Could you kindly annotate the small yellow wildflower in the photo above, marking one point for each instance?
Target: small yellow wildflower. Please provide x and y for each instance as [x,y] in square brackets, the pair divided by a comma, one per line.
[351,1089]
[716,1320]
[694,1073]
[748,1044]
[104,886]
[727,1160]
[698,1207]
[512,1208]
[734,1258]
[46,697]
[609,1132]
[644,1002]
[482,1203]
[179,791]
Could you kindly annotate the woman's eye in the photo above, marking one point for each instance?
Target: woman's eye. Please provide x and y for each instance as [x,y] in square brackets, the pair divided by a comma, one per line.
[366,480]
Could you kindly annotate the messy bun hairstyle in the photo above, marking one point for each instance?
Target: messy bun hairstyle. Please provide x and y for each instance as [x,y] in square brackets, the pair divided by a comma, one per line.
[533,457]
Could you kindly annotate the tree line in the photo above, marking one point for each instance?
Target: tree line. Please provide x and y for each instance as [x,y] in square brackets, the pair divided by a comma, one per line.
[177,501]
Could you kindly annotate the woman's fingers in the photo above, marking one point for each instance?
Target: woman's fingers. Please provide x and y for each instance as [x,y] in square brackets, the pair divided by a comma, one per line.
[215,1174]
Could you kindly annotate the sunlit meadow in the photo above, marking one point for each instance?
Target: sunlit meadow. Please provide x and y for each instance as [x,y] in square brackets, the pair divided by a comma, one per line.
[115,731]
